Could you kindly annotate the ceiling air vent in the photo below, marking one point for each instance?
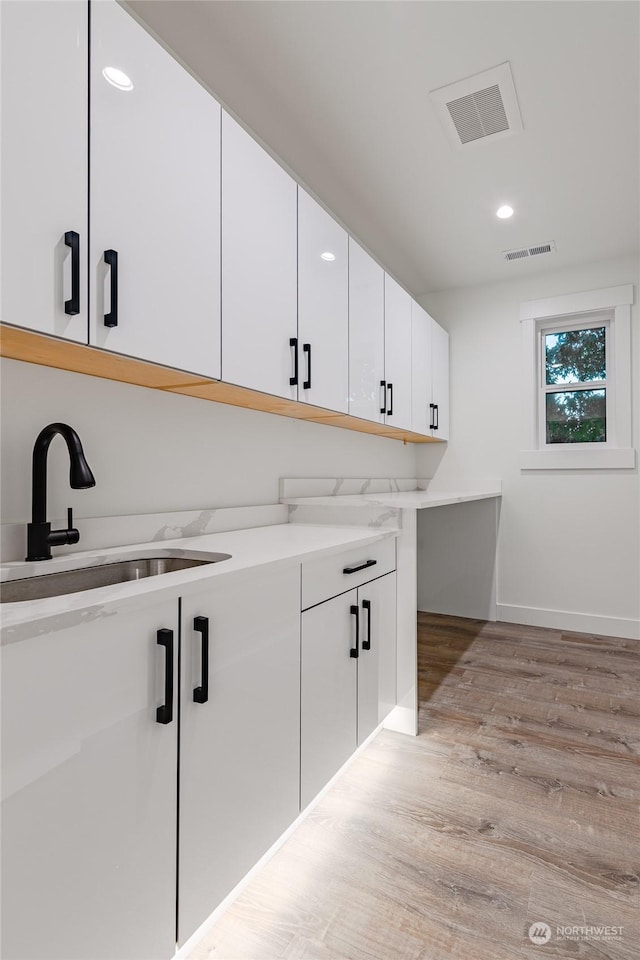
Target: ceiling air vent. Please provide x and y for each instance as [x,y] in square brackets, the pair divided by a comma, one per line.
[529,251]
[481,107]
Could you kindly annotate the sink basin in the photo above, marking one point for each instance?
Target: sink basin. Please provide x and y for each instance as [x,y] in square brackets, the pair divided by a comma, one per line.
[104,575]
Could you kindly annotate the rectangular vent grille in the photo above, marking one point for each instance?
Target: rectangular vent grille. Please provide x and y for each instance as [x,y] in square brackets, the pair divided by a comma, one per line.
[479,114]
[529,251]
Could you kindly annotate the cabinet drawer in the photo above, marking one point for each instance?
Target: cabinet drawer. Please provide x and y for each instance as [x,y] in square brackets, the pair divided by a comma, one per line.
[325,578]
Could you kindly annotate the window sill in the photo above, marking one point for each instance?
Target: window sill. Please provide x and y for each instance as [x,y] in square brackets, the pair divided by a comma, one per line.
[611,459]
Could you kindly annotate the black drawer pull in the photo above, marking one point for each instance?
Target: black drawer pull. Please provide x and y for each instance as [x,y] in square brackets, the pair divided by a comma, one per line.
[164,638]
[436,416]
[360,566]
[306,348]
[383,408]
[431,409]
[293,381]
[366,605]
[390,410]
[111,259]
[72,306]
[355,651]
[201,693]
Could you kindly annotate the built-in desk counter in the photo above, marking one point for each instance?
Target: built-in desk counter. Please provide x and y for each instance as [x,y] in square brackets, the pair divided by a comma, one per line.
[333,503]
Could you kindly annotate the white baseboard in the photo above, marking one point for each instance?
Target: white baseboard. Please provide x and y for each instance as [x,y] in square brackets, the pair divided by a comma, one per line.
[565,620]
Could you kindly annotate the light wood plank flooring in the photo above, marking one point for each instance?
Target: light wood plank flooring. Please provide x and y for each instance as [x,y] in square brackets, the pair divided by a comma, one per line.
[517,803]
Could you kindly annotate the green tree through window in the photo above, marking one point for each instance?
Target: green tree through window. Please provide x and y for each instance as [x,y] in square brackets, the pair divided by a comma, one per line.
[572,357]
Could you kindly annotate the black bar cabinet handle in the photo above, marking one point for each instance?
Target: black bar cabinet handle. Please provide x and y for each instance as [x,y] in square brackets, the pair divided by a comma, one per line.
[383,408]
[355,651]
[72,306]
[164,638]
[431,408]
[360,566]
[111,259]
[366,605]
[201,693]
[306,348]
[390,410]
[293,381]
[436,416]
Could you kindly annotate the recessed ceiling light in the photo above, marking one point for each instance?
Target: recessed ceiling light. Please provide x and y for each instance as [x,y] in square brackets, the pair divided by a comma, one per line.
[117,78]
[504,212]
[327,255]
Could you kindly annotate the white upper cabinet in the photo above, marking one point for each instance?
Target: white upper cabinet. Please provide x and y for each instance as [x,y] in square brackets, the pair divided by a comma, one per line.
[440,375]
[421,406]
[397,353]
[323,307]
[44,166]
[155,200]
[259,254]
[366,335]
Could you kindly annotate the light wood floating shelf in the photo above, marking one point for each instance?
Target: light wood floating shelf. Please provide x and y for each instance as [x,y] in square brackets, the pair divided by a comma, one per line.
[17,343]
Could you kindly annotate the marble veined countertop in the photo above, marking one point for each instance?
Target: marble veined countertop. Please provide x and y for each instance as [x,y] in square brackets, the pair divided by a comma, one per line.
[249,549]
[407,500]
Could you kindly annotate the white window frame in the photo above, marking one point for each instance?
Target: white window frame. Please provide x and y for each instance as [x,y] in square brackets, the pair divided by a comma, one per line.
[610,307]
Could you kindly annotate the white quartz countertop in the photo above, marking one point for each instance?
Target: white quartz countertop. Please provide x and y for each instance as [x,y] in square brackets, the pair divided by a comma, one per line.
[408,500]
[249,549]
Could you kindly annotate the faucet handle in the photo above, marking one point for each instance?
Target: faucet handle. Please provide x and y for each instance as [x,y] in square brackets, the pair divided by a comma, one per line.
[72,536]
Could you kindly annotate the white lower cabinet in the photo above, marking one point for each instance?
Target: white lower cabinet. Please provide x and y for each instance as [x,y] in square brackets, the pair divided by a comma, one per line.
[381,621]
[89,788]
[239,734]
[328,715]
[348,677]
[151,755]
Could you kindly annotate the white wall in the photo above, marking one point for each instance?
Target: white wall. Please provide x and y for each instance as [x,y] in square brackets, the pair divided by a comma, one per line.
[152,452]
[569,541]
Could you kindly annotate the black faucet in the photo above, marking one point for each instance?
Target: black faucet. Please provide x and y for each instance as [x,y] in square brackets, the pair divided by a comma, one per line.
[40,536]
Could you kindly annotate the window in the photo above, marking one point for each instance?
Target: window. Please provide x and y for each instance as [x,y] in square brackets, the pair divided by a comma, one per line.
[578,381]
[575,391]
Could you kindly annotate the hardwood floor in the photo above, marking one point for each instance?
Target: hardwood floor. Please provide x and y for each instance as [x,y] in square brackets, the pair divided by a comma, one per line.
[516,805]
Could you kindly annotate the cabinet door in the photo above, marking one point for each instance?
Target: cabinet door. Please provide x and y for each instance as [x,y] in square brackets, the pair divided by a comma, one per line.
[44,165]
[329,690]
[259,271]
[240,739]
[421,370]
[382,594]
[155,200]
[440,370]
[366,335]
[377,660]
[323,307]
[397,353]
[89,790]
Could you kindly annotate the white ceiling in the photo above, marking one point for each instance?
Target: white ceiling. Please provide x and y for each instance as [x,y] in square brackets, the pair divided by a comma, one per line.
[339,90]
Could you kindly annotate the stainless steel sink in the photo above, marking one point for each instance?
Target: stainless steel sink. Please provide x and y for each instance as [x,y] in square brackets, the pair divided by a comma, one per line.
[104,575]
